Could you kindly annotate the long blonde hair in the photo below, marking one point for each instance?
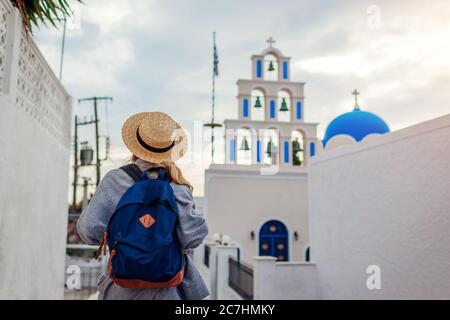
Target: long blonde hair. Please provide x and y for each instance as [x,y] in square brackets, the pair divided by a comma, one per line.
[175,173]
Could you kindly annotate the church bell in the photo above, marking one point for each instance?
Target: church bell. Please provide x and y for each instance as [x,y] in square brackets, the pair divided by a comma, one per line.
[270,148]
[258,103]
[271,67]
[284,105]
[244,145]
[296,147]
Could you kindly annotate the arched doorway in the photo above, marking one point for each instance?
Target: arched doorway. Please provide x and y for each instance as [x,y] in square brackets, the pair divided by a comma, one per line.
[273,240]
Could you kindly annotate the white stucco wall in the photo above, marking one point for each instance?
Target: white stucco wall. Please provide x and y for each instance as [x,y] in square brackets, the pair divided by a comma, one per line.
[238,202]
[34,163]
[385,202]
[284,280]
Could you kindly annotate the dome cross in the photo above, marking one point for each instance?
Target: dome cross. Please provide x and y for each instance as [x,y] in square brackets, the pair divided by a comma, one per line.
[356,93]
[270,41]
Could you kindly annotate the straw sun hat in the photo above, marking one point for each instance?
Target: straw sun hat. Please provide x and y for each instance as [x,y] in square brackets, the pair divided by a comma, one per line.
[154,137]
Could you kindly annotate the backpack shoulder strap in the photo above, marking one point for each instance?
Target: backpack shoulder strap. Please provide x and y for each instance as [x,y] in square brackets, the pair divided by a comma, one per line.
[162,173]
[132,170]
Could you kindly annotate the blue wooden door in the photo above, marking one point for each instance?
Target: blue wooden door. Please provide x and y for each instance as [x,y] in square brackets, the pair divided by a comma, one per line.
[273,240]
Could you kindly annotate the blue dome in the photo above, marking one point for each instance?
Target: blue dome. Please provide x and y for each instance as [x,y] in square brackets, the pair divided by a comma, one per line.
[357,124]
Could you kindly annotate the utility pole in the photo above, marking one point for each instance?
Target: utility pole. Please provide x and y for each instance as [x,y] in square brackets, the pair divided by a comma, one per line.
[75,164]
[97,148]
[98,161]
[75,160]
[97,137]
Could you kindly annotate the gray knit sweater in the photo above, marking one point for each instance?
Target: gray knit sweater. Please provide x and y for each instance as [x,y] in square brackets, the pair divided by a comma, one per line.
[191,230]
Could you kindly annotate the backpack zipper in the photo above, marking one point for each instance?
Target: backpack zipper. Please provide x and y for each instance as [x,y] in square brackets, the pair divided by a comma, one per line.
[118,242]
[125,243]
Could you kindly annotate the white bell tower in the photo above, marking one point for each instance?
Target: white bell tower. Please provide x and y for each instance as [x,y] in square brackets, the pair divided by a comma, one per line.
[268,148]
[270,129]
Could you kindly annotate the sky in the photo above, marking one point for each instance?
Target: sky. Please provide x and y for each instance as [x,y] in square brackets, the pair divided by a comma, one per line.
[157,55]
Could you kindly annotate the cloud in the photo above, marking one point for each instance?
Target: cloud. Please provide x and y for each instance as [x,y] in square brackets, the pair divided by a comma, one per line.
[157,55]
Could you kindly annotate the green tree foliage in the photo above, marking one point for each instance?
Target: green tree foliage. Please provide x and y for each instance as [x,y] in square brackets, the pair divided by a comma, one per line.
[45,11]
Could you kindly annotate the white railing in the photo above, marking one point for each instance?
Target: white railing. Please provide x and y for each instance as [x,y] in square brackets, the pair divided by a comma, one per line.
[218,272]
[27,79]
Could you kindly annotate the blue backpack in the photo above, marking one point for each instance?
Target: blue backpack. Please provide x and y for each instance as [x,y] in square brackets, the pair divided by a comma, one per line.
[141,236]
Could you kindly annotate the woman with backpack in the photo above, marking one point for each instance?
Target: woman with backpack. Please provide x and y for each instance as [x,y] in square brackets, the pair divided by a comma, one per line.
[145,214]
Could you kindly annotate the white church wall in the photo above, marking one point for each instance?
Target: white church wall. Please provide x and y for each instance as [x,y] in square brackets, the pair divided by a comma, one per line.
[284,280]
[384,202]
[339,141]
[34,164]
[239,202]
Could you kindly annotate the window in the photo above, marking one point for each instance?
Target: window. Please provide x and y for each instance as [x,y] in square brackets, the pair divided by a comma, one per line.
[258,68]
[299,110]
[258,151]
[232,150]
[245,108]
[312,149]
[285,70]
[272,109]
[286,152]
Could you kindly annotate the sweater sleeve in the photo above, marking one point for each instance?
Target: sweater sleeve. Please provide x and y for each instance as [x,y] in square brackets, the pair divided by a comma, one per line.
[95,217]
[191,227]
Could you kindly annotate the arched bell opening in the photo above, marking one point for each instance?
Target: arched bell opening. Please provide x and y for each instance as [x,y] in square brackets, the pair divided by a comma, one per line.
[271,67]
[298,148]
[244,147]
[271,146]
[258,103]
[284,103]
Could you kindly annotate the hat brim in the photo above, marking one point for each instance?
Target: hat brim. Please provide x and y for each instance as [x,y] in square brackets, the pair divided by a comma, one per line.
[129,137]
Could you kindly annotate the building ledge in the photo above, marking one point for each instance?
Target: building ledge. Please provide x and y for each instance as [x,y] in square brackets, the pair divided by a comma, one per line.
[257,170]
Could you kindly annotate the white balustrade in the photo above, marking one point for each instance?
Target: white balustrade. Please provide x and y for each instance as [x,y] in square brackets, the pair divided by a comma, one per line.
[28,80]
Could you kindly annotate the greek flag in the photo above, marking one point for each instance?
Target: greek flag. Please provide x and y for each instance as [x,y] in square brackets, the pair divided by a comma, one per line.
[216,60]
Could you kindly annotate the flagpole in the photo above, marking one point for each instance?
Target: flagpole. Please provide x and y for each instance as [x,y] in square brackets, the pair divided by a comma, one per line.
[215,72]
[213,98]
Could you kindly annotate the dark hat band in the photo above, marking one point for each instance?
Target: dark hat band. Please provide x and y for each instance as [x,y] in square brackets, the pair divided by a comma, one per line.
[149,147]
